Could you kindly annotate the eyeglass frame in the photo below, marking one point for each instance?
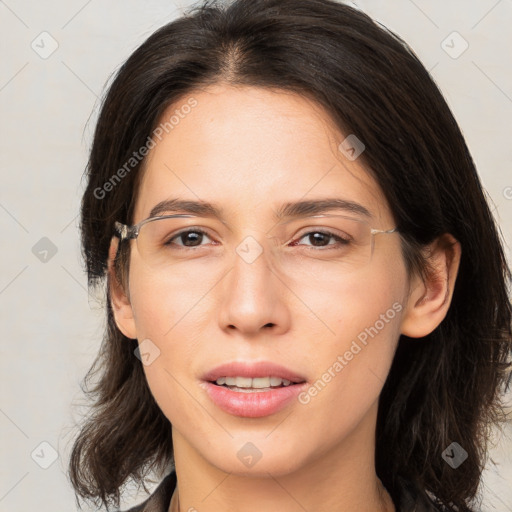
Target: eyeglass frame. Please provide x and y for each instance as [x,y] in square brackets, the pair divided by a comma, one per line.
[125,232]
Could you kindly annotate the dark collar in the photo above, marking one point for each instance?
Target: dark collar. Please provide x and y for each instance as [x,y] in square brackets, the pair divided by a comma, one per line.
[411,497]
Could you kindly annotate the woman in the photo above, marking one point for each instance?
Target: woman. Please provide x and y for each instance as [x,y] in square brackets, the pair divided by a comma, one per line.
[306,292]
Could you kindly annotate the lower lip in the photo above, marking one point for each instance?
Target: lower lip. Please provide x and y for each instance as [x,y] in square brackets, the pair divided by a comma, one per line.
[255,404]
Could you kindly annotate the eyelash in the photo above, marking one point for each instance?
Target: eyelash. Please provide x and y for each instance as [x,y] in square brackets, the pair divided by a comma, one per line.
[330,234]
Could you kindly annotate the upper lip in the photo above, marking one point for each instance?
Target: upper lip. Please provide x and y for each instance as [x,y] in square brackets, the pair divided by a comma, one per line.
[253,370]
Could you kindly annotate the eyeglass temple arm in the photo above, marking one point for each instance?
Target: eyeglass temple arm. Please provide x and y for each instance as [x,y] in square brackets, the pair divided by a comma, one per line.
[377,231]
[124,232]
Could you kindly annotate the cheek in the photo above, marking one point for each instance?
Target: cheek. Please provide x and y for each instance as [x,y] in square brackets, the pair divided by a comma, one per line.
[338,308]
[163,304]
[168,312]
[360,330]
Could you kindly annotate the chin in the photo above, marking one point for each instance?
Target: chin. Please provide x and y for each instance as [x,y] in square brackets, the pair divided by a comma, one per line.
[251,458]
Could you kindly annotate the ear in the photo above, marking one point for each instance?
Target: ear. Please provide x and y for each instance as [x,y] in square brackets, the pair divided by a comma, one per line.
[120,301]
[430,298]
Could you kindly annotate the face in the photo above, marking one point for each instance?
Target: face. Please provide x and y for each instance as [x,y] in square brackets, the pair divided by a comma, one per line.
[249,151]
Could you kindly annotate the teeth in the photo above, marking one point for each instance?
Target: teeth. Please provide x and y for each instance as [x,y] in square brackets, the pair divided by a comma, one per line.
[243,382]
[257,382]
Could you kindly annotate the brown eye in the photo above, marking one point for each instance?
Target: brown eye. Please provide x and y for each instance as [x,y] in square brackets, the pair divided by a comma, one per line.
[188,238]
[321,239]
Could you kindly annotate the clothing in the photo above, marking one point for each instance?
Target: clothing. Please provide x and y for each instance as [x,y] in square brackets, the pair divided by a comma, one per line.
[411,498]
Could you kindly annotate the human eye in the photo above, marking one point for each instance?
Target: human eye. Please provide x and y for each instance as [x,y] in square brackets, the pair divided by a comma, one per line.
[320,238]
[189,238]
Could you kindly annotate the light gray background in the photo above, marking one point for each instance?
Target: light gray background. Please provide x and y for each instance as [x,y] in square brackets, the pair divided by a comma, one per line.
[51,328]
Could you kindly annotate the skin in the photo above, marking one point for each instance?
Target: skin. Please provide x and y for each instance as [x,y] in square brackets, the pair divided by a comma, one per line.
[249,150]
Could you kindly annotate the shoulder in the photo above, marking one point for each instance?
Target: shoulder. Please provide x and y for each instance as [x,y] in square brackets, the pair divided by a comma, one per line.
[160,499]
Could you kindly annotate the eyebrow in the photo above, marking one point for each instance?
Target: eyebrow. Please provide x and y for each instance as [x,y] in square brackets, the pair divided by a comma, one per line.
[295,209]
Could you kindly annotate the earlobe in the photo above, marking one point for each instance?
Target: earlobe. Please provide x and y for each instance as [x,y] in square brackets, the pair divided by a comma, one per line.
[120,302]
[430,297]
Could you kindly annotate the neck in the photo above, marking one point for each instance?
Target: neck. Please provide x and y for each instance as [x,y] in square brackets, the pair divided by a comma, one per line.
[340,478]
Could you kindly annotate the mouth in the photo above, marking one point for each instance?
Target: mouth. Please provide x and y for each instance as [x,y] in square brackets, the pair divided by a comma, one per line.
[255,384]
[260,375]
[253,389]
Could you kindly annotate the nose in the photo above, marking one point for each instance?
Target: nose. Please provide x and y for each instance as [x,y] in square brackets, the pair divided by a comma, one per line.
[253,296]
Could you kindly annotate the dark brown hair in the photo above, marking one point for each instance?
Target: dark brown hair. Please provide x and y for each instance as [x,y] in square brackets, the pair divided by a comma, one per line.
[443,388]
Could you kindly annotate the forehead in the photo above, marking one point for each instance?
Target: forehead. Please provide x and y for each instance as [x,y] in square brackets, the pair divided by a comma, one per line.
[251,150]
